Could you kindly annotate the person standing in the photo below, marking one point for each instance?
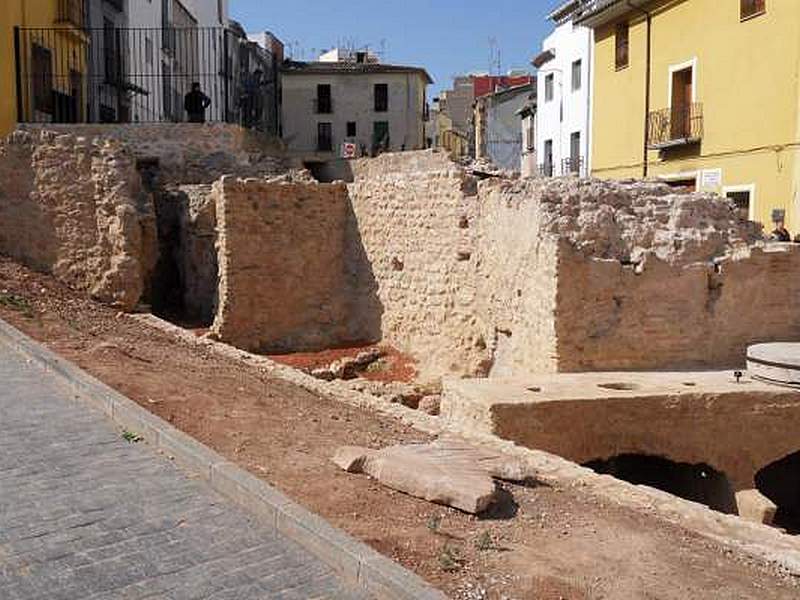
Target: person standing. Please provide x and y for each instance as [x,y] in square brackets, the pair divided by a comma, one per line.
[196,103]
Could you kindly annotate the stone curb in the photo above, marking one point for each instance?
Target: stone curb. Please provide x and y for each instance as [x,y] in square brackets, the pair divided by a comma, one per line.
[356,563]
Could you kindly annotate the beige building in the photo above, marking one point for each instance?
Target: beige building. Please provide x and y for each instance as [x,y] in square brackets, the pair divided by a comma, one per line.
[353,106]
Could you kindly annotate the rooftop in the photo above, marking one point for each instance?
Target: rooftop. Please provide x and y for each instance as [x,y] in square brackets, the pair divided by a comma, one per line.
[291,67]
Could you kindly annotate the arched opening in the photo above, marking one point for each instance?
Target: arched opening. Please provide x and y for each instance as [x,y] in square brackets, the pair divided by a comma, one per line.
[698,482]
[780,482]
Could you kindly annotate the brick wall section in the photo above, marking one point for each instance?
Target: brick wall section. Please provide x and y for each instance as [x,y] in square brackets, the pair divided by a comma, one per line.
[609,317]
[281,255]
[415,216]
[74,207]
[190,153]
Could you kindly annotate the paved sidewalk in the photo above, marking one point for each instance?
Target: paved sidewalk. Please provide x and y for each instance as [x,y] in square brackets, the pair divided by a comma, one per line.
[86,515]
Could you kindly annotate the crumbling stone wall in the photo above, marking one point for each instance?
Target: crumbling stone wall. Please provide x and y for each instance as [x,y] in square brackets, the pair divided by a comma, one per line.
[74,207]
[190,153]
[414,217]
[612,316]
[281,254]
[503,277]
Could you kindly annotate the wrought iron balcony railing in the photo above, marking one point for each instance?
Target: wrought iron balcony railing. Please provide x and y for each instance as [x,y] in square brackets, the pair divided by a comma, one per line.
[675,126]
[573,166]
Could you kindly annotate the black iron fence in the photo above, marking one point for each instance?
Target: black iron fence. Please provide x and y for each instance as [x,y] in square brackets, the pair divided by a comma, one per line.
[123,75]
[675,126]
[568,166]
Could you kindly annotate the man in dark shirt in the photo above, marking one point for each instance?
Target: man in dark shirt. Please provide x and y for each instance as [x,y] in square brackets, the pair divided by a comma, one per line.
[781,234]
[196,103]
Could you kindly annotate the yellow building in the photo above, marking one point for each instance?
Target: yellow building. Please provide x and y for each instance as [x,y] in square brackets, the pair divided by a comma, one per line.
[715,83]
[51,47]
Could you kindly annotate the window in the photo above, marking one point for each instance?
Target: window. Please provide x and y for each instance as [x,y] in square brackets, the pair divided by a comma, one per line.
[351,129]
[575,152]
[549,82]
[41,61]
[324,102]
[576,75]
[380,136]
[324,137]
[547,169]
[622,46]
[381,97]
[148,50]
[752,8]
[742,197]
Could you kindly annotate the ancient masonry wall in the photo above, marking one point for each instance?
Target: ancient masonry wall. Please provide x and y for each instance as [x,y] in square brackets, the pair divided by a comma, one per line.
[189,153]
[517,280]
[609,317]
[281,254]
[414,217]
[74,207]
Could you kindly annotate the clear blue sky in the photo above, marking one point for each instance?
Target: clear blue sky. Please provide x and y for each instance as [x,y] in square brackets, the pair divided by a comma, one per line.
[447,37]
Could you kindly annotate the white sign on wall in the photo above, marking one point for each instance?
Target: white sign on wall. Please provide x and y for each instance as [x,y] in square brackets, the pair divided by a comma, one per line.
[711,180]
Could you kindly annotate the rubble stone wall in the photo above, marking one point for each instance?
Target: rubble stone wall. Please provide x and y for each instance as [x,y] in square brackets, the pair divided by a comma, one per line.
[190,153]
[281,255]
[414,216]
[611,317]
[74,207]
[517,280]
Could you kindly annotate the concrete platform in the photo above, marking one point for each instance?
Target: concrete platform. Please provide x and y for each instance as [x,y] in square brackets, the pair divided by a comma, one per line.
[777,363]
[691,417]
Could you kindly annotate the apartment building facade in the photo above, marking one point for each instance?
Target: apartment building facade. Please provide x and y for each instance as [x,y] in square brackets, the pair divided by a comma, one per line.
[564,95]
[352,106]
[32,33]
[701,94]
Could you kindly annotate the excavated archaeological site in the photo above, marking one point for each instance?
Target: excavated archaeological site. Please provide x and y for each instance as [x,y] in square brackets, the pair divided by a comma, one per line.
[594,331]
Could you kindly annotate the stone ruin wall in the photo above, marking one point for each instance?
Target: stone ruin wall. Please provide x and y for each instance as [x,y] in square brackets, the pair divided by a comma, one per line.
[506,276]
[74,207]
[700,315]
[281,256]
[189,153]
[415,217]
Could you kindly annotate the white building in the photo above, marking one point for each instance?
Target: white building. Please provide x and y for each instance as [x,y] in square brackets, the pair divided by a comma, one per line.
[564,77]
[352,107]
[171,44]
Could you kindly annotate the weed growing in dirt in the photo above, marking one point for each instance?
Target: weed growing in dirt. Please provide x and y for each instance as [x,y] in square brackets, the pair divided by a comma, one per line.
[450,559]
[16,303]
[131,437]
[433,523]
[484,542]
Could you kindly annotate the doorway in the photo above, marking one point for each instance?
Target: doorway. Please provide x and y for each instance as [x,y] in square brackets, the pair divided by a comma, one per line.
[682,99]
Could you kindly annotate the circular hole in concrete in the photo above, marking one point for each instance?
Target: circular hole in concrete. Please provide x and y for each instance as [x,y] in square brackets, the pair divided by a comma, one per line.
[689,383]
[625,387]
[534,389]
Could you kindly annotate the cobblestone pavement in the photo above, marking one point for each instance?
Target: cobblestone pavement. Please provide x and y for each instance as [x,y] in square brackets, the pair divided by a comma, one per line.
[86,515]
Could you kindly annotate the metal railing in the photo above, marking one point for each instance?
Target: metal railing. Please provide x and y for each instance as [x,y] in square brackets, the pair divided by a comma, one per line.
[675,126]
[126,75]
[573,166]
[72,12]
[568,166]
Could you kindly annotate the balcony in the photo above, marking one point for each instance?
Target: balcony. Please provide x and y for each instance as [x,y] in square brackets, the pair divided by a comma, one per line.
[71,12]
[323,106]
[573,166]
[676,126]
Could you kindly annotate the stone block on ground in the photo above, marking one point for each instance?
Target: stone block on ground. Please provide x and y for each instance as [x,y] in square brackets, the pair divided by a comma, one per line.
[755,507]
[447,471]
